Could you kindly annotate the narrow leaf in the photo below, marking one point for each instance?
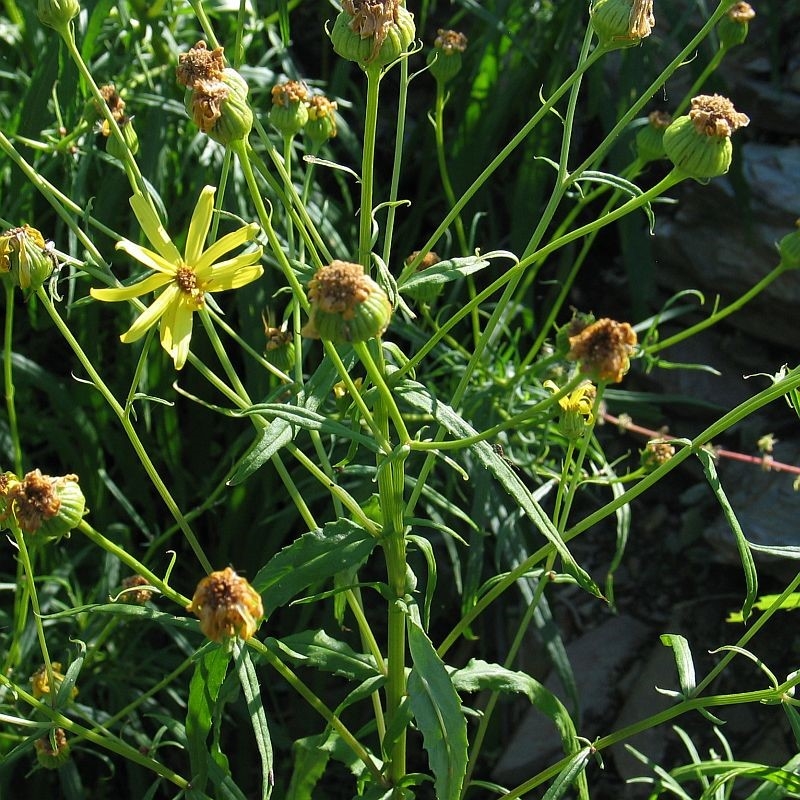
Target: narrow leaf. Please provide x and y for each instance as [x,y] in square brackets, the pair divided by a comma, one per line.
[419,397]
[567,777]
[748,563]
[445,271]
[209,673]
[683,660]
[437,709]
[258,718]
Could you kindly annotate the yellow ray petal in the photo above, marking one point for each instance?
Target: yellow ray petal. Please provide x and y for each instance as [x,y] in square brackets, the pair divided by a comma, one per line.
[176,331]
[150,259]
[225,245]
[145,286]
[153,229]
[198,227]
[234,276]
[151,314]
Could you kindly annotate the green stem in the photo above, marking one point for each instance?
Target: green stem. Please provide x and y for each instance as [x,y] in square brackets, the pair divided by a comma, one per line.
[376,376]
[106,741]
[133,563]
[308,695]
[130,431]
[721,314]
[242,151]
[368,167]
[8,379]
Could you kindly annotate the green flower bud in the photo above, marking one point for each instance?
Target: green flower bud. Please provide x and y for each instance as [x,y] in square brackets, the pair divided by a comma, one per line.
[577,409]
[113,145]
[57,14]
[622,23]
[219,107]
[699,144]
[346,305]
[372,33]
[444,60]
[321,124]
[279,349]
[25,257]
[789,248]
[289,112]
[650,137]
[52,754]
[41,505]
[733,27]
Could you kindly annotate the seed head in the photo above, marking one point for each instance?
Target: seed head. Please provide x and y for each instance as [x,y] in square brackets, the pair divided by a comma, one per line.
[52,753]
[132,591]
[199,64]
[656,453]
[227,606]
[346,304]
[604,349]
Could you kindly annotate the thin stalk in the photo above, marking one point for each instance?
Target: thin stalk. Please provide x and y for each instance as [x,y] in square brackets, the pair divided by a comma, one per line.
[105,741]
[317,705]
[722,313]
[8,379]
[368,167]
[130,431]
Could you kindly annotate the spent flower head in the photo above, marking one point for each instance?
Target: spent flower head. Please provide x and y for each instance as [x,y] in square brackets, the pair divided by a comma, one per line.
[199,64]
[372,32]
[346,304]
[698,143]
[227,606]
[40,680]
[182,281]
[622,23]
[604,349]
[321,124]
[40,504]
[656,452]
[25,257]
[52,751]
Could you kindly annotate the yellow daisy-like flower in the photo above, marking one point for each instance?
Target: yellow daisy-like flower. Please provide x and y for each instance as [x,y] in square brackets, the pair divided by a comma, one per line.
[576,408]
[183,280]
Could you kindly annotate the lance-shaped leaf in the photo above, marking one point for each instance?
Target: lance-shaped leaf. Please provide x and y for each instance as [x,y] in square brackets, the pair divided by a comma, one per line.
[313,557]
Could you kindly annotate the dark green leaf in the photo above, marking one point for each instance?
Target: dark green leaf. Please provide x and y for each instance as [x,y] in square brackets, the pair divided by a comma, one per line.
[437,710]
[315,556]
[258,718]
[209,673]
[330,655]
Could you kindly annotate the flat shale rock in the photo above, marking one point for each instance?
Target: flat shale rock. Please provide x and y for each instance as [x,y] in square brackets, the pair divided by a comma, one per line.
[600,660]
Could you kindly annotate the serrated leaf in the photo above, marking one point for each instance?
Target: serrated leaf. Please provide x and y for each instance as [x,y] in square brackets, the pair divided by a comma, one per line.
[436,707]
[209,673]
[325,653]
[314,556]
[416,395]
[746,556]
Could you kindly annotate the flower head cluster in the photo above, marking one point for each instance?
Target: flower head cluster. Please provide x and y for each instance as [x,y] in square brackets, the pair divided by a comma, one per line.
[49,507]
[216,96]
[135,590]
[346,304]
[656,453]
[183,281]
[25,257]
[227,606]
[604,349]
